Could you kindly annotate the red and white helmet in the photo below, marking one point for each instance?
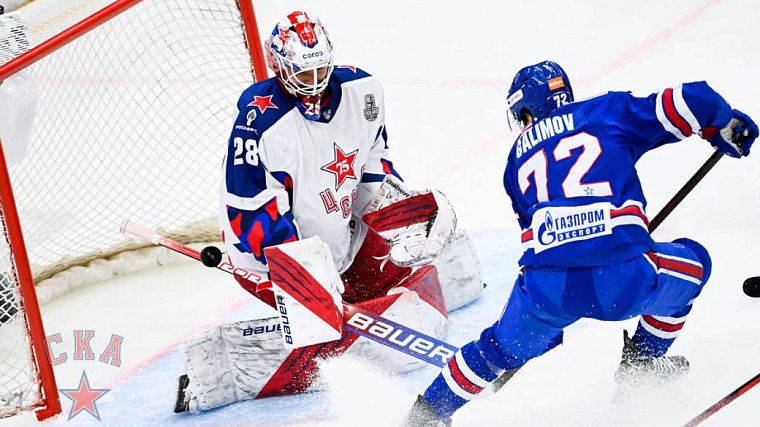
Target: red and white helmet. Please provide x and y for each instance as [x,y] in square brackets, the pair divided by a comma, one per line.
[300,54]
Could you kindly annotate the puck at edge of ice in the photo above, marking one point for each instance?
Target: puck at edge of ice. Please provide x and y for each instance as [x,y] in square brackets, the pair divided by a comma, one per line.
[752,287]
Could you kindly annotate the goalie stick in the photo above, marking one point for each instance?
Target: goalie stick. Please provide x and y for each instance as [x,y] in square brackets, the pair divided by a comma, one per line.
[357,320]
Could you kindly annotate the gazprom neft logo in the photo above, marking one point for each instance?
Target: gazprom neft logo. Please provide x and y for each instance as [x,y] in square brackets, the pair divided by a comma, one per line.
[557,225]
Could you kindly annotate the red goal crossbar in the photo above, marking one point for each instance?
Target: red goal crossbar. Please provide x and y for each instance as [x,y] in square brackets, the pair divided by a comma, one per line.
[251,29]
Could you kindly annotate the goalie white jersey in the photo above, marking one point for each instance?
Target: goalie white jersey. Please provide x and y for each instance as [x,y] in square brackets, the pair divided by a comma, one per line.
[287,177]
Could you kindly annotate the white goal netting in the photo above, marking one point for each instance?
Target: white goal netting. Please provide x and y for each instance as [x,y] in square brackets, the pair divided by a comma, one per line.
[131,121]
[19,388]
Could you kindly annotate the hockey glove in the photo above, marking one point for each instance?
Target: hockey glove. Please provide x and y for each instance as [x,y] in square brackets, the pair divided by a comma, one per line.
[736,138]
[417,224]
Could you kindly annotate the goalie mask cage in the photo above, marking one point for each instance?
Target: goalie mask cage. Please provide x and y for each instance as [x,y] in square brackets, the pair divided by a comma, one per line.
[136,100]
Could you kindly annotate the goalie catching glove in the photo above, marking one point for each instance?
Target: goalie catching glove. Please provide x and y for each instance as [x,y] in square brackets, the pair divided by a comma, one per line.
[417,224]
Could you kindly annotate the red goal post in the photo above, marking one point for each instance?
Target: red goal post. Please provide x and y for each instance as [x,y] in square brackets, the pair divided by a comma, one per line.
[26,361]
[134,103]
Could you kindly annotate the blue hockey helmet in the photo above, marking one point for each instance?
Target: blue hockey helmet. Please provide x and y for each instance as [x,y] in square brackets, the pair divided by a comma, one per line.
[538,89]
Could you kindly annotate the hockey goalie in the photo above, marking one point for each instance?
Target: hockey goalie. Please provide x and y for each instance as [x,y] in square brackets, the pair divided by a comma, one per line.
[311,201]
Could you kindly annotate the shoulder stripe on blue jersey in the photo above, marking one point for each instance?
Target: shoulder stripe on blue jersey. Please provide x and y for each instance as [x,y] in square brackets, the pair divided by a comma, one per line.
[683,109]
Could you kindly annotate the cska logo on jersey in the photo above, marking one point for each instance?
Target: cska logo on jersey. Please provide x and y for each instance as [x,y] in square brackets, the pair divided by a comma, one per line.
[342,166]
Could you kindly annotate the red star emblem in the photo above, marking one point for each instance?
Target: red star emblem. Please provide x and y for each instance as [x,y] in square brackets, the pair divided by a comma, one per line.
[342,166]
[350,67]
[84,398]
[262,103]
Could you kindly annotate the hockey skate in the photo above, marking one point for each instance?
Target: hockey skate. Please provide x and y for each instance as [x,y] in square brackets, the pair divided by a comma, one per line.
[182,404]
[635,369]
[502,380]
[422,414]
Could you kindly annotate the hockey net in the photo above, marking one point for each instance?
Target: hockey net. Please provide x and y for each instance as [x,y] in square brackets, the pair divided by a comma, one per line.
[136,100]
[20,386]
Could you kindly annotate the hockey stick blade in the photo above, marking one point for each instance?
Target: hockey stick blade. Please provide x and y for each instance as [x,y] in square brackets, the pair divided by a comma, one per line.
[723,402]
[357,320]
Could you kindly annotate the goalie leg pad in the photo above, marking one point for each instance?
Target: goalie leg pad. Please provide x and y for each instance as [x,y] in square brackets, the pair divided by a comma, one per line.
[247,360]
[417,303]
[231,362]
[459,272]
[307,290]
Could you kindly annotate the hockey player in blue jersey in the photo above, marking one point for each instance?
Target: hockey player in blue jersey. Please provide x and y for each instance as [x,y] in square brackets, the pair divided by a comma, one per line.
[587,252]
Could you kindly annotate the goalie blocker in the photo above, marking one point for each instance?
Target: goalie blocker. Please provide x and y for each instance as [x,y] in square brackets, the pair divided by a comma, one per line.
[260,358]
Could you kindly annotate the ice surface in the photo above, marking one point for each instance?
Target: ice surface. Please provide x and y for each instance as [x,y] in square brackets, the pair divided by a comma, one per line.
[445,67]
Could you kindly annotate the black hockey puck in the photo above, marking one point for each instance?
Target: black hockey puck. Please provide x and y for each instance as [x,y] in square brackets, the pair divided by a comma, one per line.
[752,287]
[211,256]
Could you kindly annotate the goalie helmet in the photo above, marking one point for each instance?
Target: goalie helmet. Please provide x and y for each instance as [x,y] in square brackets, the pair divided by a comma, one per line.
[300,54]
[538,89]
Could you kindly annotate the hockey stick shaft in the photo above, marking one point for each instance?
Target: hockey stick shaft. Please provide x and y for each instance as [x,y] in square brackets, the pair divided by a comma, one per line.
[357,320]
[656,221]
[137,230]
[723,402]
[685,190]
